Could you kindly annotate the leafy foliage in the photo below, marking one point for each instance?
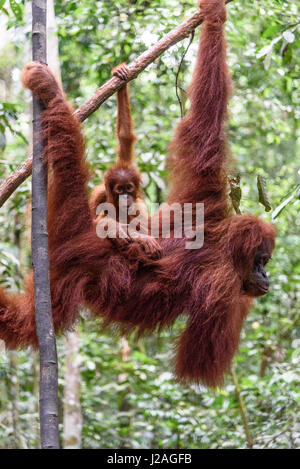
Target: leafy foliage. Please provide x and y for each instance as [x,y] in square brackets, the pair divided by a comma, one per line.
[137,403]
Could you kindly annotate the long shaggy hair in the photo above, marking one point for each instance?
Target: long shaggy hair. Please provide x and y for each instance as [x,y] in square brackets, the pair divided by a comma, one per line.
[206,284]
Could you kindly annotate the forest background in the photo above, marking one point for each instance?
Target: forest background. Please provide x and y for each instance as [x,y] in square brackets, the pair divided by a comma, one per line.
[116,392]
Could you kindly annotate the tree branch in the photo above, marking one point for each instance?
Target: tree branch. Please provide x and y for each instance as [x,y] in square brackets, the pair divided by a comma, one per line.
[12,183]
[108,89]
[242,407]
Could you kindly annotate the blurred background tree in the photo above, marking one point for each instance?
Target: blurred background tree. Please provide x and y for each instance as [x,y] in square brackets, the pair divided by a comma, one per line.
[129,398]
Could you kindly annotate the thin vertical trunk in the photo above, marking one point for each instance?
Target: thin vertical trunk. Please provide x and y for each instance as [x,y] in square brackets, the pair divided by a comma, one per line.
[36,383]
[13,390]
[40,255]
[72,407]
[125,421]
[13,384]
[243,411]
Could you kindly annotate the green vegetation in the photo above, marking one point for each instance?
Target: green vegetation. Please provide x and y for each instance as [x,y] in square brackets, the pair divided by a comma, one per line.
[136,403]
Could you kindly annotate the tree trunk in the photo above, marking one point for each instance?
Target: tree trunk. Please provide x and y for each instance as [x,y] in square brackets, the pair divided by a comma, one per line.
[40,255]
[13,390]
[72,407]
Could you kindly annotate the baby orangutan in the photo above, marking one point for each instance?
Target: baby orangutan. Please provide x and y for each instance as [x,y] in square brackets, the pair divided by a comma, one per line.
[122,182]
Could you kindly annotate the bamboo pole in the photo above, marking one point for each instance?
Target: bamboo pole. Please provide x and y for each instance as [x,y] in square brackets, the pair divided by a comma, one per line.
[40,254]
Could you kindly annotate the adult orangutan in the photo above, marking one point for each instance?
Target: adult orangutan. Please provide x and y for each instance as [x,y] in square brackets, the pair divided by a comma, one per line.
[213,285]
[72,232]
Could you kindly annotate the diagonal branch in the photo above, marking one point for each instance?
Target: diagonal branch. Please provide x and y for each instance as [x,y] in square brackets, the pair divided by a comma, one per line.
[108,89]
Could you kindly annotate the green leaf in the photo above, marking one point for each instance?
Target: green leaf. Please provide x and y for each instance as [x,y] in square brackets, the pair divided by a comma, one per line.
[235,193]
[143,358]
[262,192]
[279,209]
[16,9]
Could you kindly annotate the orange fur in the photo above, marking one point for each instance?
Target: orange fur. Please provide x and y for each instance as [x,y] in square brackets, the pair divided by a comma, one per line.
[207,284]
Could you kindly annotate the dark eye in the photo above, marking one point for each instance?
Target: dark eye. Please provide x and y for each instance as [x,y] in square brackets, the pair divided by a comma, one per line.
[129,188]
[265,260]
[119,189]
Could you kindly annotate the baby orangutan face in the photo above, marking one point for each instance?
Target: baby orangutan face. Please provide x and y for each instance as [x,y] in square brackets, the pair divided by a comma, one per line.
[122,186]
[124,193]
